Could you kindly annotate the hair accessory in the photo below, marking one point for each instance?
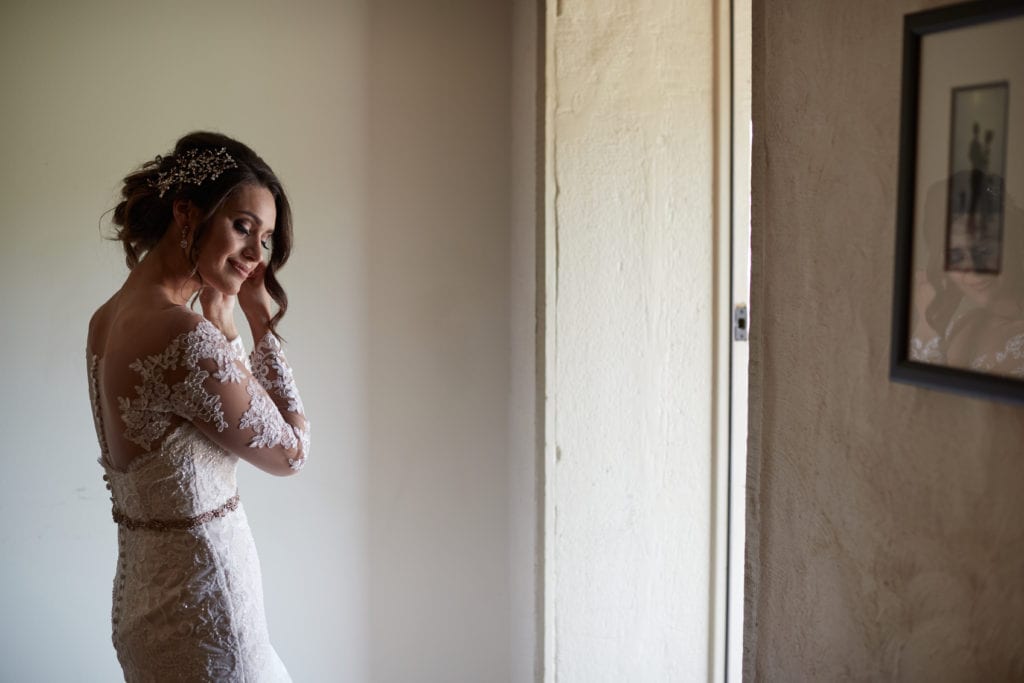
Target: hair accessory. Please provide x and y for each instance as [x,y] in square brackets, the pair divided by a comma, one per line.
[194,166]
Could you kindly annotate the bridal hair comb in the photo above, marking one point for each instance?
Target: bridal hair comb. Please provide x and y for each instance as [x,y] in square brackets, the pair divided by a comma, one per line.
[194,166]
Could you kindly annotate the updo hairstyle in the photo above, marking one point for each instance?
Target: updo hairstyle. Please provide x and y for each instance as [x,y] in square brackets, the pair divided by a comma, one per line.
[143,216]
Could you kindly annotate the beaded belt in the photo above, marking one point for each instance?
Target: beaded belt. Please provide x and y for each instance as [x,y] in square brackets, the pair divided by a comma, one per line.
[174,524]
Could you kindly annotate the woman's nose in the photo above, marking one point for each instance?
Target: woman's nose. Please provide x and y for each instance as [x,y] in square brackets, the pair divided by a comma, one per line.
[252,253]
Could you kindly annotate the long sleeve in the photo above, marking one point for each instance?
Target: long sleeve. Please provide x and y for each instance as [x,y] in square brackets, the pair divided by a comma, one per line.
[201,377]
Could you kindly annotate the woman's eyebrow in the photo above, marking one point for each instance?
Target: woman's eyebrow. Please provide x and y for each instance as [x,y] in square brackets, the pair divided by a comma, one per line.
[254,217]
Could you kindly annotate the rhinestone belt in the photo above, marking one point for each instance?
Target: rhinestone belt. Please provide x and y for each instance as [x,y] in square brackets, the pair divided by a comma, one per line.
[175,524]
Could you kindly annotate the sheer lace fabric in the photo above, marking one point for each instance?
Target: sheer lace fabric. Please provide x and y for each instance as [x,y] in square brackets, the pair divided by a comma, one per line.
[926,351]
[188,597]
[193,377]
[188,604]
[1009,360]
[1005,358]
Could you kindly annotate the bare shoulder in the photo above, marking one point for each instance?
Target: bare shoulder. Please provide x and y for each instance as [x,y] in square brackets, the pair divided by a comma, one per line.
[99,326]
[128,333]
[161,328]
[178,320]
[186,334]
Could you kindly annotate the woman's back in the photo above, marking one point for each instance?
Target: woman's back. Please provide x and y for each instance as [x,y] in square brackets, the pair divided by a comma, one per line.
[128,327]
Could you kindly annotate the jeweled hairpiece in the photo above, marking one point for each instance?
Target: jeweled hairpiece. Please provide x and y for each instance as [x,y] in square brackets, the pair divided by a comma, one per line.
[194,166]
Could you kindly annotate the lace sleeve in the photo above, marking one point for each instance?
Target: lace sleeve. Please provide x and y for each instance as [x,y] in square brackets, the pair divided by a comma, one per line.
[274,375]
[202,378]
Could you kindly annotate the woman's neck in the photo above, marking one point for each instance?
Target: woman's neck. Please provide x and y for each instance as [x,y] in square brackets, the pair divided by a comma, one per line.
[165,269]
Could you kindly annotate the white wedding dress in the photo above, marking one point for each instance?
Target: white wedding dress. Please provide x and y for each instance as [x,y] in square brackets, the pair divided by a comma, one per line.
[188,597]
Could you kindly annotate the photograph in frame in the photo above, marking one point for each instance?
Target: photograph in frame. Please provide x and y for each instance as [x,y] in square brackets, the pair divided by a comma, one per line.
[977,166]
[958,296]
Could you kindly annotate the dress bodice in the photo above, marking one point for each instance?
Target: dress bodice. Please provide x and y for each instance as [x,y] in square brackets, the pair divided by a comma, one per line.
[187,477]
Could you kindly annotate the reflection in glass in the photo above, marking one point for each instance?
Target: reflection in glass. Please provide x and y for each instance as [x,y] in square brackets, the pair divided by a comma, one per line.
[968,316]
[977,163]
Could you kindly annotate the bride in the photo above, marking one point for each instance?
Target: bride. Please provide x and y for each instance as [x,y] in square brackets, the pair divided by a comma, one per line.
[176,404]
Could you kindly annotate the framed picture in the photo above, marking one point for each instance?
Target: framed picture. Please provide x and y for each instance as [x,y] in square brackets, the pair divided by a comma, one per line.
[958,304]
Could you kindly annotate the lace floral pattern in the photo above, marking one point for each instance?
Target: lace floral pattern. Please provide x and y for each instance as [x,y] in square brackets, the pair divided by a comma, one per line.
[274,374]
[926,352]
[147,415]
[264,419]
[188,597]
[303,436]
[272,371]
[1010,358]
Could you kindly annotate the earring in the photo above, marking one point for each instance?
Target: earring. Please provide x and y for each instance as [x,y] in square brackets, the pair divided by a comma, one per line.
[184,240]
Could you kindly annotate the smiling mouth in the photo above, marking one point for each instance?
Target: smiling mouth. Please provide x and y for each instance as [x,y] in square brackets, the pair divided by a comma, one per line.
[244,272]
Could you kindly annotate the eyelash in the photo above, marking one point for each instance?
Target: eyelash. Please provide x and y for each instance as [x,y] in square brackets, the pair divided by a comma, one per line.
[240,227]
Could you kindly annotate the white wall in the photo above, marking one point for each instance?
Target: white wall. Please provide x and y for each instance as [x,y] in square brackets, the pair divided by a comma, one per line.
[437,338]
[389,558]
[630,362]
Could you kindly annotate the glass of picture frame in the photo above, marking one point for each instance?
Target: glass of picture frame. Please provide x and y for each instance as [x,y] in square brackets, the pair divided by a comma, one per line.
[958,305]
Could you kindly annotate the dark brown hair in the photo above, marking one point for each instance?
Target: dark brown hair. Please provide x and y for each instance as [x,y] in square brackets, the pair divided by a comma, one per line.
[143,216]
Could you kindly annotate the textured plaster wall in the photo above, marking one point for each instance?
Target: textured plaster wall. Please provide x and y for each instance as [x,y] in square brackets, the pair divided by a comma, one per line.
[886,534]
[631,374]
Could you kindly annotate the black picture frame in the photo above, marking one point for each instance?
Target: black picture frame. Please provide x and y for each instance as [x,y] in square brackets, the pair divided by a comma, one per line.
[911,359]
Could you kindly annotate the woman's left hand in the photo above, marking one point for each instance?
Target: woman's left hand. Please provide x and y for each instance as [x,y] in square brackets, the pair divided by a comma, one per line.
[219,309]
[255,301]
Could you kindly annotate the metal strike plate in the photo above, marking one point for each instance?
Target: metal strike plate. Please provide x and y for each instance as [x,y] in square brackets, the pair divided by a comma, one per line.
[739,322]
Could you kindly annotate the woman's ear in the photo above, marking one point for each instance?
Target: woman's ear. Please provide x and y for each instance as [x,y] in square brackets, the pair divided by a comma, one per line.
[185,212]
[180,210]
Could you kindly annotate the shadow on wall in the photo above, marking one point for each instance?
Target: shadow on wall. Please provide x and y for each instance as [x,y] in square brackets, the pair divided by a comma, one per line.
[437,340]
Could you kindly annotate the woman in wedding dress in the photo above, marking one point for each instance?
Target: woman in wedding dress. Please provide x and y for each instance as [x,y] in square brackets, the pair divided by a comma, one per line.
[177,403]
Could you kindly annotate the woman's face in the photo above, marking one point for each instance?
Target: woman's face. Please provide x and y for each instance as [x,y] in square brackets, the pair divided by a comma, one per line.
[237,238]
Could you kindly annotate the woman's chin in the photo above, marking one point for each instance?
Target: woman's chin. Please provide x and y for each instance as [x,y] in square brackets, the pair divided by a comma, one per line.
[225,287]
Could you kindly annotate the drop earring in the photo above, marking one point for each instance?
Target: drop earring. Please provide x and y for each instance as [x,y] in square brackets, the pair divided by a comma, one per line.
[184,239]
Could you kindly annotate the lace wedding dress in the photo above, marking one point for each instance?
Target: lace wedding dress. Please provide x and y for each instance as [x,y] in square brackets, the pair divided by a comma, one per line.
[188,597]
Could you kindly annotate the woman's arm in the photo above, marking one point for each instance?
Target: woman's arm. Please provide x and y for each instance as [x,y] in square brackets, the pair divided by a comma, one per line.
[256,414]
[251,409]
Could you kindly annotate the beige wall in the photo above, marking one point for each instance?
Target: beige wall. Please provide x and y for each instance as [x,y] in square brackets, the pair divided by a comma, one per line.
[525,461]
[437,338]
[391,557]
[886,535]
[629,341]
